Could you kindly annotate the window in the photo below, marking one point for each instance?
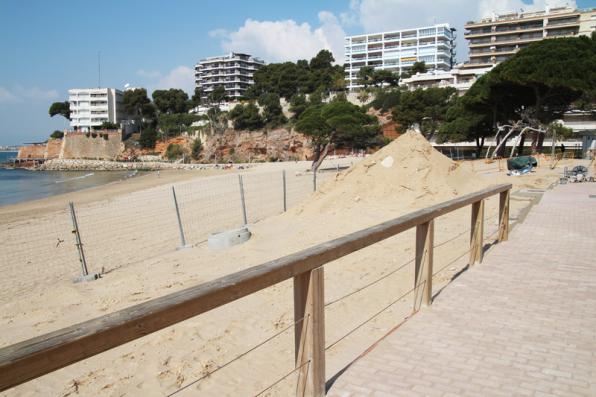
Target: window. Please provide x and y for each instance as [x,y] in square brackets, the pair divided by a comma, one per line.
[430,32]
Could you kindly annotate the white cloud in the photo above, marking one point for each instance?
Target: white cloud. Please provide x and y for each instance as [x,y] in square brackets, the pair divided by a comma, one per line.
[181,77]
[285,40]
[149,74]
[218,33]
[6,96]
[20,94]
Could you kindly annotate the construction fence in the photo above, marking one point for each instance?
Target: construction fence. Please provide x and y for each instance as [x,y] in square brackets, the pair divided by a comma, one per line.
[106,235]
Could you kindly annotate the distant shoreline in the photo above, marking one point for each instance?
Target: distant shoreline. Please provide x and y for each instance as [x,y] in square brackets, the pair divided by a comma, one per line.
[37,207]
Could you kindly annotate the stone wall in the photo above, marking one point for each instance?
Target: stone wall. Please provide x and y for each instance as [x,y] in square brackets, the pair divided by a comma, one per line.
[31,152]
[53,149]
[99,145]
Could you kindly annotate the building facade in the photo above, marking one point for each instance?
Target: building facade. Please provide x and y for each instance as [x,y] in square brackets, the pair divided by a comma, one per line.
[459,78]
[234,71]
[493,40]
[398,50]
[91,107]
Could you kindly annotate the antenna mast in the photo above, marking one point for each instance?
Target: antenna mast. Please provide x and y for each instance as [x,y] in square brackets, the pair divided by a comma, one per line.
[98,69]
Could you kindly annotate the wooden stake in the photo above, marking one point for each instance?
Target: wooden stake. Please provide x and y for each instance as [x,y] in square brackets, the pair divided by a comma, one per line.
[477,232]
[424,263]
[504,215]
[309,305]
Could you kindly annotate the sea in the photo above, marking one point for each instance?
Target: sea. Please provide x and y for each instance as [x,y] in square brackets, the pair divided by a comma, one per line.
[18,185]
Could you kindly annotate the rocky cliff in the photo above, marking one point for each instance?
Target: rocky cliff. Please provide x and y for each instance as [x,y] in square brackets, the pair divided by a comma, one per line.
[254,146]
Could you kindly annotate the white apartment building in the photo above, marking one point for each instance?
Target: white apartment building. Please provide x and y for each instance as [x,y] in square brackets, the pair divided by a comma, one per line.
[495,39]
[91,107]
[234,71]
[459,78]
[398,50]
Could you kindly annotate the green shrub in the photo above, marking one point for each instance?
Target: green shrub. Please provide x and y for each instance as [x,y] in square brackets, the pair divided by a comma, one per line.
[57,134]
[174,151]
[148,138]
[196,149]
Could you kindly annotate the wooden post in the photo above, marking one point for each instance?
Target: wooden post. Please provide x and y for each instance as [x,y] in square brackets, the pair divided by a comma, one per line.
[284,186]
[504,215]
[309,305]
[242,200]
[477,232]
[423,281]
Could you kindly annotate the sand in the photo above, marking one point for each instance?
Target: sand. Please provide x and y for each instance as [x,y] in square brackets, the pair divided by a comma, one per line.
[35,208]
[163,362]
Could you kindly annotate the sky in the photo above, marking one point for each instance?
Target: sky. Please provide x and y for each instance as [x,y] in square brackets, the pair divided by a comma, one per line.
[48,47]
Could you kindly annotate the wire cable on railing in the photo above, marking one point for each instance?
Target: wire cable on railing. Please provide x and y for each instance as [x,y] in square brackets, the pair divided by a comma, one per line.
[395,270]
[370,284]
[282,378]
[462,255]
[370,319]
[237,357]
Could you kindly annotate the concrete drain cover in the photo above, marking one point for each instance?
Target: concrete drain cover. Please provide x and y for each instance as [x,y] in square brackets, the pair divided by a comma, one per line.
[229,238]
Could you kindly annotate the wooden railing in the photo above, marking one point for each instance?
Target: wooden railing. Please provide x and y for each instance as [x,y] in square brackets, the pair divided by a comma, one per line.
[35,357]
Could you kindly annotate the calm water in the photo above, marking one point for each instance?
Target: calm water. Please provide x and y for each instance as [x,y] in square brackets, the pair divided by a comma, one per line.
[22,185]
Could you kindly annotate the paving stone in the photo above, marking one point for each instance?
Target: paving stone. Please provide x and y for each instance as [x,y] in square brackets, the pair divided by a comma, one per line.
[521,323]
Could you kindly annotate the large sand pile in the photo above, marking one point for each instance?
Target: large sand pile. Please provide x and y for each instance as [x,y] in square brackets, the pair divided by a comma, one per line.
[406,173]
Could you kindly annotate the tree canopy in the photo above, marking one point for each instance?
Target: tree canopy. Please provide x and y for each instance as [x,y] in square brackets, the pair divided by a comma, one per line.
[303,77]
[337,123]
[423,108]
[217,95]
[387,99]
[535,86]
[272,110]
[544,79]
[60,108]
[173,124]
[369,76]
[136,103]
[246,117]
[171,101]
[57,134]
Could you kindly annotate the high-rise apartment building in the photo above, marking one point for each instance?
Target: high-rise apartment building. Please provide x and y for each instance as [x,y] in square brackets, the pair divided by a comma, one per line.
[398,50]
[234,71]
[493,40]
[91,107]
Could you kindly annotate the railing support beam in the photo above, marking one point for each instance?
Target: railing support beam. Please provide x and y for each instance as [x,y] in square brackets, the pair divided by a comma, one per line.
[309,315]
[504,215]
[477,233]
[424,264]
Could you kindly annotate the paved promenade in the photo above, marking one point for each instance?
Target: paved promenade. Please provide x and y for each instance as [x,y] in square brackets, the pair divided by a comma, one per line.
[522,323]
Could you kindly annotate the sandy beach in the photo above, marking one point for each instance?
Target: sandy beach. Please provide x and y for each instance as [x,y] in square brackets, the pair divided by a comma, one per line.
[35,208]
[357,287]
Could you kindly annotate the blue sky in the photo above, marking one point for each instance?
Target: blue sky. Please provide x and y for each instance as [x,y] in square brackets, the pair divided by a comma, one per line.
[49,47]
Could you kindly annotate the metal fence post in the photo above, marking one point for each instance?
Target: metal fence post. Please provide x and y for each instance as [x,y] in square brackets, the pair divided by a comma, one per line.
[182,237]
[85,276]
[243,201]
[283,173]
[314,181]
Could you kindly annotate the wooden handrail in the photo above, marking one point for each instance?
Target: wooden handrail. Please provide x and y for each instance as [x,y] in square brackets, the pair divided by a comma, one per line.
[35,357]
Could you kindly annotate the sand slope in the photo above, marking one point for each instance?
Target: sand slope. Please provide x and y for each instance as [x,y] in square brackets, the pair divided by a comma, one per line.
[408,172]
